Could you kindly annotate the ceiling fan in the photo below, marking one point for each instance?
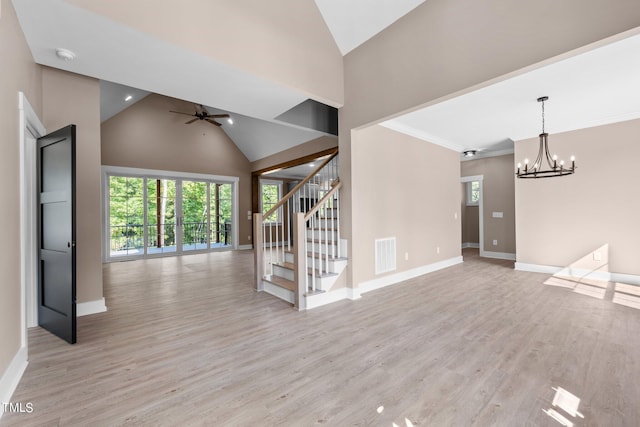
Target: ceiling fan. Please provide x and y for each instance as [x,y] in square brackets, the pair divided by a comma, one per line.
[202,114]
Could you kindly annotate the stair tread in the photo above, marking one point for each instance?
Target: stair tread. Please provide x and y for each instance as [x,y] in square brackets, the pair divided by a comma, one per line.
[325,257]
[282,282]
[309,239]
[317,255]
[291,266]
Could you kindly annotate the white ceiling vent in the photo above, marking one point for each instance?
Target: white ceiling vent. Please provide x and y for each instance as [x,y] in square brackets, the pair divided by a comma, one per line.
[385,255]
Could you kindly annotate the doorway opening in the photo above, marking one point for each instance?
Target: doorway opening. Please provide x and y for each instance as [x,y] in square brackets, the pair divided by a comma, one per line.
[472,211]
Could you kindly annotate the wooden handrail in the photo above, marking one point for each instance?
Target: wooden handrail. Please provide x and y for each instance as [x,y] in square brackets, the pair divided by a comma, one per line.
[299,186]
[326,197]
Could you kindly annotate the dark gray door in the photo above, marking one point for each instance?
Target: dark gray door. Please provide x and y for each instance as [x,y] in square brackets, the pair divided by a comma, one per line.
[57,233]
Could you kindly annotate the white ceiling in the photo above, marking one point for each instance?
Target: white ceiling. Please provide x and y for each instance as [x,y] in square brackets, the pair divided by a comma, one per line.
[353,22]
[594,88]
[258,138]
[112,98]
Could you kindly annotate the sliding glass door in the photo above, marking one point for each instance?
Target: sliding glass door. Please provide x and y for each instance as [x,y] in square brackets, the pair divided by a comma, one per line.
[126,214]
[220,223]
[161,216]
[195,215]
[154,216]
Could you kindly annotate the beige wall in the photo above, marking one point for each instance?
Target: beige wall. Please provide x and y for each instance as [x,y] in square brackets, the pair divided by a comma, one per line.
[285,41]
[498,196]
[299,151]
[147,136]
[19,73]
[73,99]
[560,220]
[405,188]
[446,47]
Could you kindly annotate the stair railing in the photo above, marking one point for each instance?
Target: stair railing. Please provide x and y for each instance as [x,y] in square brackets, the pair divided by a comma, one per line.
[272,239]
[324,219]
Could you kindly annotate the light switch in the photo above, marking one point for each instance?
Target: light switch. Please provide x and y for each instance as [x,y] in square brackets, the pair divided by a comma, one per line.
[497,214]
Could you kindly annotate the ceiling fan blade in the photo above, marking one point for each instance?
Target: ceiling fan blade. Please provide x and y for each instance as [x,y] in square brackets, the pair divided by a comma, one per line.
[180,112]
[220,116]
[213,122]
[191,121]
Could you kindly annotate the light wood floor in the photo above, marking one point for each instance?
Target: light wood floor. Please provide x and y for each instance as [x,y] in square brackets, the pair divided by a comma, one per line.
[186,341]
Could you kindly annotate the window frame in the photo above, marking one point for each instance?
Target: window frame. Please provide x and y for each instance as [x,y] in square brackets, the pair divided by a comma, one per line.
[469,200]
[279,184]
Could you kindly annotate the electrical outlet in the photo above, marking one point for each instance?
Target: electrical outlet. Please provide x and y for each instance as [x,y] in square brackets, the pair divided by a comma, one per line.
[437,249]
[406,256]
[495,242]
[249,237]
[597,256]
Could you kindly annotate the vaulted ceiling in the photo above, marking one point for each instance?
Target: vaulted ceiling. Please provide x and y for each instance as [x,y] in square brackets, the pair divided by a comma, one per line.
[585,90]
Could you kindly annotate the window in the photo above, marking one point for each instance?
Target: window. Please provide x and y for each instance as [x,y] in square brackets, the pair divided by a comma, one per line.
[473,193]
[150,213]
[271,192]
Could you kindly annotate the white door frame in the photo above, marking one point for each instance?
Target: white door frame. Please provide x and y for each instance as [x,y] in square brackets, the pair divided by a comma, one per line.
[480,179]
[31,128]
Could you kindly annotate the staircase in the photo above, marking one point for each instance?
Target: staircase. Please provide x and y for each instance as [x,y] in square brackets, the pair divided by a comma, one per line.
[300,257]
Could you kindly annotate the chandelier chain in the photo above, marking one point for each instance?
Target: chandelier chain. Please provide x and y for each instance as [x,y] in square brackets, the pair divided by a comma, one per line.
[543,116]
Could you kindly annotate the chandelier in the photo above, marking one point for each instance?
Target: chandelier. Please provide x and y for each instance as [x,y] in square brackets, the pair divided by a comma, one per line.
[554,167]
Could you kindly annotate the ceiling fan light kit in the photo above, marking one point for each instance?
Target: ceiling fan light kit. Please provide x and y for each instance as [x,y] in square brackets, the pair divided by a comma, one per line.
[202,114]
[554,167]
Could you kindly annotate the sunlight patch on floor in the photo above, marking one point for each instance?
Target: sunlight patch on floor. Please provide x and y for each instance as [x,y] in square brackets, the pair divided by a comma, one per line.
[567,402]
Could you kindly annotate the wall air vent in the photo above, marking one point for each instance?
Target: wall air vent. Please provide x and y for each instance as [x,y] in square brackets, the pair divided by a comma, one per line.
[385,255]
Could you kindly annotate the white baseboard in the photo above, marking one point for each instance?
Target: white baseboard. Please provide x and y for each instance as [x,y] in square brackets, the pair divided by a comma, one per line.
[499,255]
[325,298]
[577,272]
[372,285]
[91,307]
[471,245]
[11,377]
[245,247]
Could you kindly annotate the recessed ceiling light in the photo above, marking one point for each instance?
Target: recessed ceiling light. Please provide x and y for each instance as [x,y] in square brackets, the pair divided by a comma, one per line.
[65,54]
[311,165]
[128,98]
[230,120]
[469,153]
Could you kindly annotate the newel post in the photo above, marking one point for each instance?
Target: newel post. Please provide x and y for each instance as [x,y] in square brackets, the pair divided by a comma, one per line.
[258,248]
[300,261]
